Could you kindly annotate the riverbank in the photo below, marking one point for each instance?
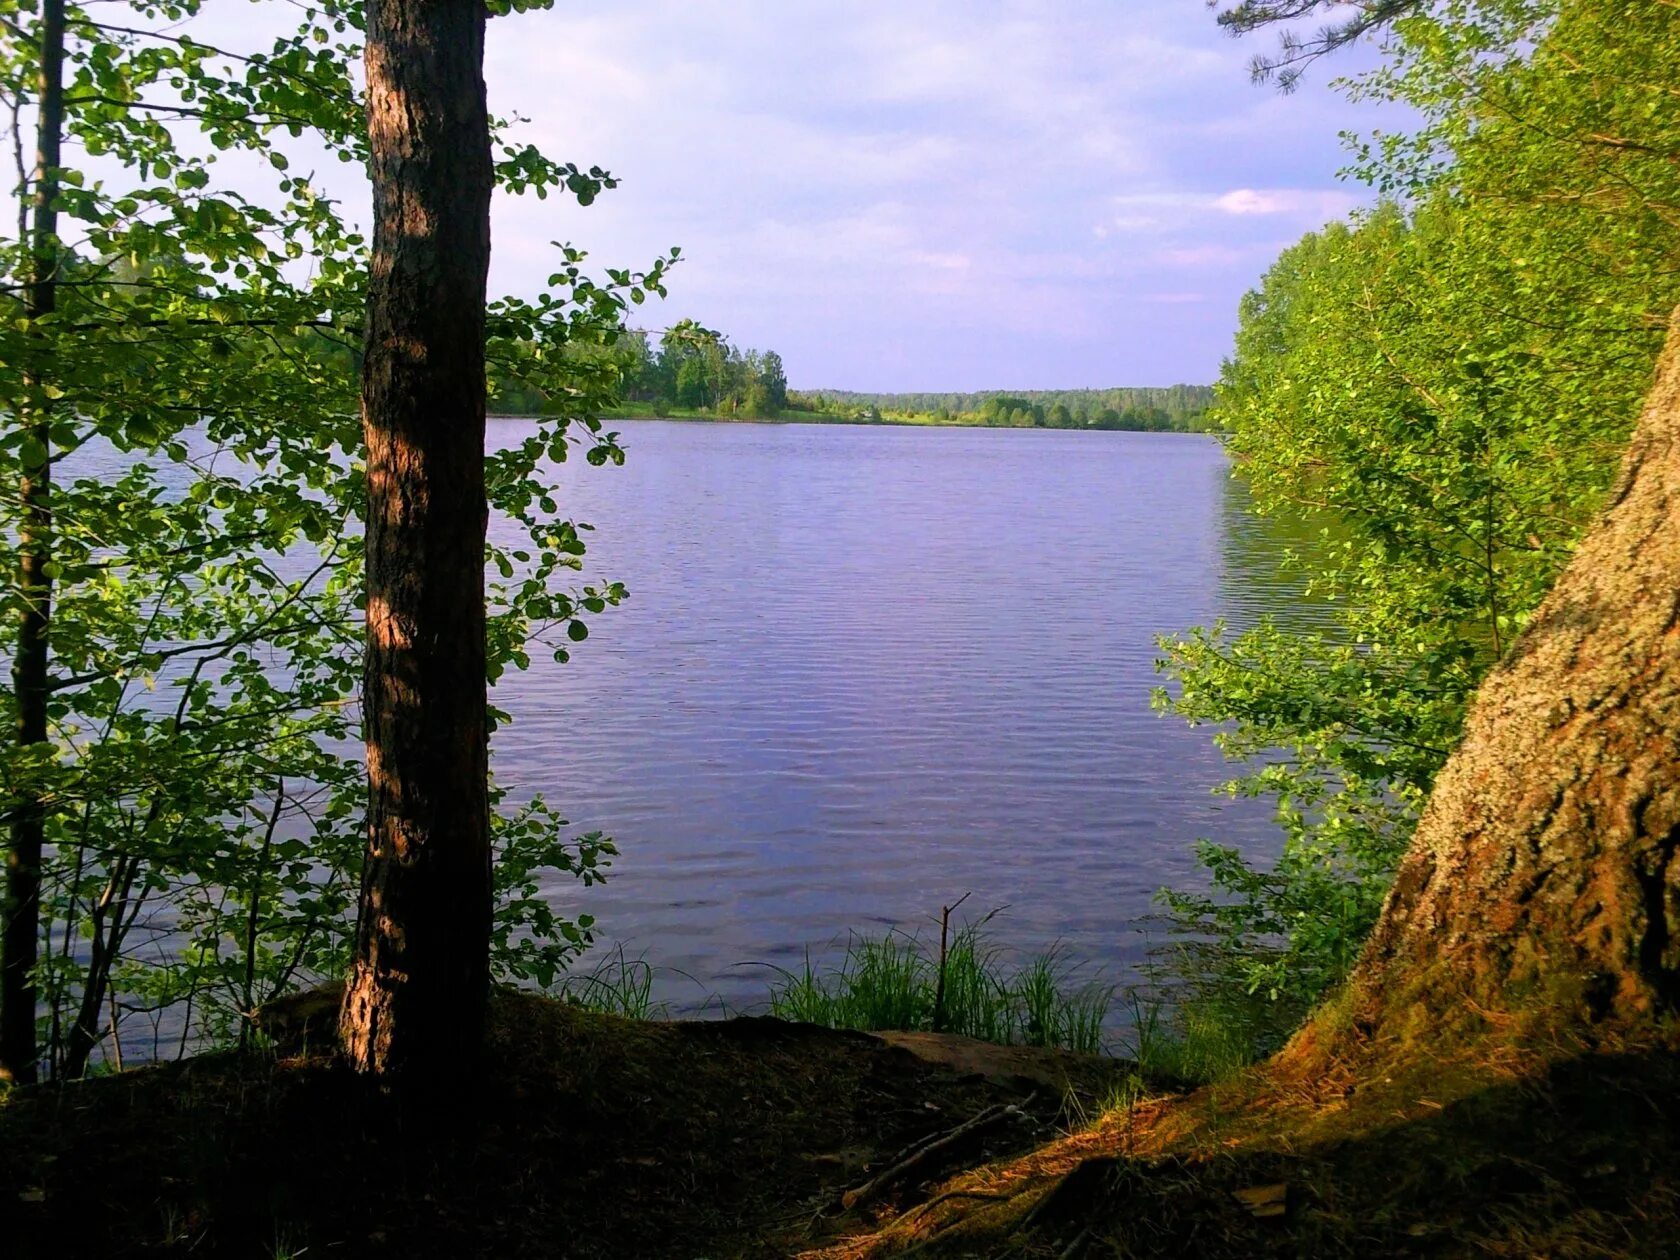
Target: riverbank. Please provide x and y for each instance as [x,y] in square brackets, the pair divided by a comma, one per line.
[785,417]
[1506,1150]
[588,1135]
[649,411]
[592,1136]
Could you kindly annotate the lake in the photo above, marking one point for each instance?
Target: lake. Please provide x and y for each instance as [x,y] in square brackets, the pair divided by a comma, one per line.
[864,671]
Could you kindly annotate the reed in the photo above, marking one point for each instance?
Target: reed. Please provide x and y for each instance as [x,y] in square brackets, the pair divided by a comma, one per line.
[896,981]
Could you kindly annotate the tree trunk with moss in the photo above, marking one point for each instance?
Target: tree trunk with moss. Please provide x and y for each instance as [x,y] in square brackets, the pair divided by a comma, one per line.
[1541,893]
[420,979]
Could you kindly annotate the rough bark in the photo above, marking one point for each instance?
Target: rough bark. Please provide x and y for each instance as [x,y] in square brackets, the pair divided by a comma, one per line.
[20,940]
[1542,889]
[418,985]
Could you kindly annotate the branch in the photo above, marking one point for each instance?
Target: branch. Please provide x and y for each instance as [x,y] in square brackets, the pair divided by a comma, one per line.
[263,63]
[1296,53]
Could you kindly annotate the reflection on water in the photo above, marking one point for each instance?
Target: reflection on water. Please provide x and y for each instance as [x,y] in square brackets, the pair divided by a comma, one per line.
[866,670]
[1265,563]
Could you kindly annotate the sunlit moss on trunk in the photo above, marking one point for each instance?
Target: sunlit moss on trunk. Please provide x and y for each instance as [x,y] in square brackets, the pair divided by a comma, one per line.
[1542,889]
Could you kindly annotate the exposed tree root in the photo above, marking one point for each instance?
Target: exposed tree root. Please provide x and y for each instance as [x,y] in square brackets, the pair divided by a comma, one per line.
[1568,1157]
[920,1153]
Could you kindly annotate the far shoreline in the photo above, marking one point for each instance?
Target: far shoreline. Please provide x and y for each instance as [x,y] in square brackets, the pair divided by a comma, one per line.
[817,419]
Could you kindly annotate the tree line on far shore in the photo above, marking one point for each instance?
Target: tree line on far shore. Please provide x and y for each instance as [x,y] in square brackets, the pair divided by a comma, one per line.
[691,369]
[1173,408]
[685,368]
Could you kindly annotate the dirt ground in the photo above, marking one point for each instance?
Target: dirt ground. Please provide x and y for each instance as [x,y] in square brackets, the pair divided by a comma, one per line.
[590,1136]
[587,1136]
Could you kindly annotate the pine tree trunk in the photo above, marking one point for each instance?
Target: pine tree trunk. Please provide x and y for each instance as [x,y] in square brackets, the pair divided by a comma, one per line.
[418,985]
[20,941]
[1541,892]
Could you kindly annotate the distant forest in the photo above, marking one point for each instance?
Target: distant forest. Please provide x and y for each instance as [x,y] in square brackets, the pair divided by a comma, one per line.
[687,369]
[690,370]
[1174,407]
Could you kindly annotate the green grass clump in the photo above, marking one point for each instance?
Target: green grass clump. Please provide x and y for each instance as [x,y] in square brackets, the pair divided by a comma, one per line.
[882,983]
[1196,1040]
[893,982]
[619,986]
[977,998]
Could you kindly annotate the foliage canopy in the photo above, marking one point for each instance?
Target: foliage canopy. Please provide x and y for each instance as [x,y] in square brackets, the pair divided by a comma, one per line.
[1447,380]
[186,416]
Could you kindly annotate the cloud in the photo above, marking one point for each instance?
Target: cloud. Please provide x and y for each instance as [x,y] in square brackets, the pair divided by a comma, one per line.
[897,196]
[1324,204]
[1201,256]
[942,262]
[1132,223]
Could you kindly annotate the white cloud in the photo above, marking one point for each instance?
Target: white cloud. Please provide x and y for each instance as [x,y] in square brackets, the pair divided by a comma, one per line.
[1130,223]
[1322,203]
[880,190]
[1212,255]
[942,262]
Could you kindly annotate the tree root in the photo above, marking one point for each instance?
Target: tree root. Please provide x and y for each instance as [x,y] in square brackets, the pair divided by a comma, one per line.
[918,1153]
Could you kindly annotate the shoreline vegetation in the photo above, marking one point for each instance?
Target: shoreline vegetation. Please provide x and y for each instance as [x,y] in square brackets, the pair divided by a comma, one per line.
[1189,422]
[965,984]
[690,372]
[898,981]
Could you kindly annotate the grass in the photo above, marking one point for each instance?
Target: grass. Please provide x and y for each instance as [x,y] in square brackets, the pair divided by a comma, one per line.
[619,986]
[1191,1042]
[893,982]
[286,1244]
[1171,1047]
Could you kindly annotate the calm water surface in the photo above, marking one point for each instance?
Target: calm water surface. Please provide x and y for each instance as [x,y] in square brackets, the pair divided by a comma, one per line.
[866,670]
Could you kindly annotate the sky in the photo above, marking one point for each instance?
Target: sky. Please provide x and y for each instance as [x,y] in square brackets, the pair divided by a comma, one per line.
[926,194]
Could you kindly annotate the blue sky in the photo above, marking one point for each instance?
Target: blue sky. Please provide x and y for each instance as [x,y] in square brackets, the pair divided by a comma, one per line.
[928,194]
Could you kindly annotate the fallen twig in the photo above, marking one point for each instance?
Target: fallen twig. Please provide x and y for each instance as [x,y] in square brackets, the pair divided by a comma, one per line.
[1077,1245]
[919,1153]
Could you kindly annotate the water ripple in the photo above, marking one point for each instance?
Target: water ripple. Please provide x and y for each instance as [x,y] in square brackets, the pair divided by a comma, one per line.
[865,670]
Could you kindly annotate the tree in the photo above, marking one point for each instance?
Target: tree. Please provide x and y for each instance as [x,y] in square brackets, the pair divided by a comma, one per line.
[415,1000]
[1451,379]
[1544,879]
[1445,384]
[772,379]
[420,976]
[204,492]
[691,381]
[1296,53]
[19,952]
[124,579]
[723,374]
